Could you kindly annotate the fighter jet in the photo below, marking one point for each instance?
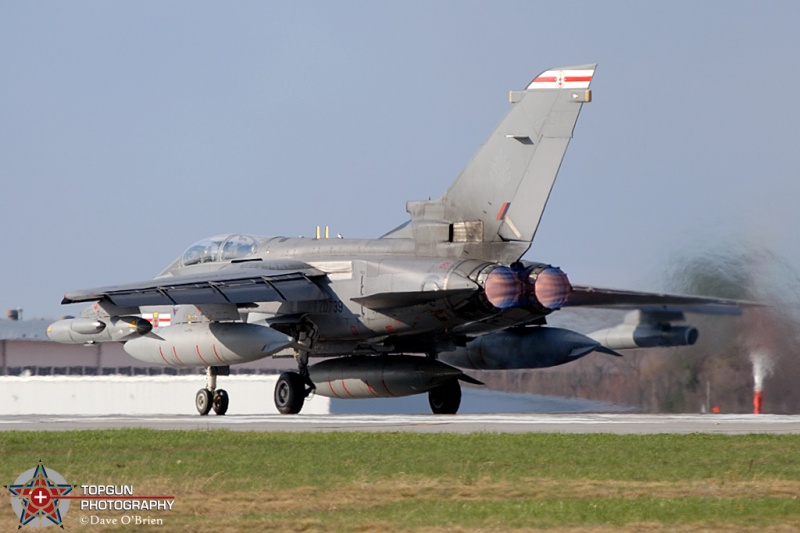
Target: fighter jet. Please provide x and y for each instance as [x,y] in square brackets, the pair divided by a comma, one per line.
[401,314]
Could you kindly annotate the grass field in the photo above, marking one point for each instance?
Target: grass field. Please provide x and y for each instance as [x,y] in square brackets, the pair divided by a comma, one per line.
[237,481]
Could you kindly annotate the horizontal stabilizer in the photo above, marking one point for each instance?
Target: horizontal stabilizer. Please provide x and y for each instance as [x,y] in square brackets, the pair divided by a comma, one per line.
[616,299]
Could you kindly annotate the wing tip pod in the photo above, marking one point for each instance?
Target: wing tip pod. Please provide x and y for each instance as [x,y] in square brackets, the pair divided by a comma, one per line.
[577,77]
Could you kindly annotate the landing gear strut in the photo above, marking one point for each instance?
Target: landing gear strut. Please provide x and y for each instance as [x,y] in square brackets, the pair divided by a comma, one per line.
[211,397]
[292,388]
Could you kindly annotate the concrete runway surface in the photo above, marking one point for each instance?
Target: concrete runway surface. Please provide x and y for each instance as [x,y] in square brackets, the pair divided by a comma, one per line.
[467,423]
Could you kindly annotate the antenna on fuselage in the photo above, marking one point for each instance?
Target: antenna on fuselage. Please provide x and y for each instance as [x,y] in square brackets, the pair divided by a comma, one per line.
[327,232]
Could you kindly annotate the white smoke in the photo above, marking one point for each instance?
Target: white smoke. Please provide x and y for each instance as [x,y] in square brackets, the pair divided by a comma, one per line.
[762,367]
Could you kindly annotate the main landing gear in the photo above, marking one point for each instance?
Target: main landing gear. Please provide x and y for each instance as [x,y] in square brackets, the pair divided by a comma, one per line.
[211,397]
[290,393]
[445,399]
[292,388]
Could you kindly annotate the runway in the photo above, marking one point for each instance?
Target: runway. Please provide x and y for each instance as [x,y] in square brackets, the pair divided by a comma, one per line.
[468,423]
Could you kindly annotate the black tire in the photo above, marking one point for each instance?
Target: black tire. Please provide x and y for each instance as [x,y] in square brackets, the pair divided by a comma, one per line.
[445,399]
[203,401]
[290,393]
[220,403]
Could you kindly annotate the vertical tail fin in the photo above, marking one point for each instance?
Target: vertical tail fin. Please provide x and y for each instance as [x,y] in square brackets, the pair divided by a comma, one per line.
[501,194]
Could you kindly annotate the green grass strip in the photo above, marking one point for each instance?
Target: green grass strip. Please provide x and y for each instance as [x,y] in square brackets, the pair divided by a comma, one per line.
[406,481]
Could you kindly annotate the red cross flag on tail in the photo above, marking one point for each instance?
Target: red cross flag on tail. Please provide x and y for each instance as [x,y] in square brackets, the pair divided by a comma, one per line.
[568,78]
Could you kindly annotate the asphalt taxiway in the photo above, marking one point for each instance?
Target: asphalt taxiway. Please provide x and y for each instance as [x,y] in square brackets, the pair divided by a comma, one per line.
[468,423]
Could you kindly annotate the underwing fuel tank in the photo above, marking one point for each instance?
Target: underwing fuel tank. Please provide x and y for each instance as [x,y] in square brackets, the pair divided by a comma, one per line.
[207,344]
[536,347]
[629,336]
[386,376]
[91,330]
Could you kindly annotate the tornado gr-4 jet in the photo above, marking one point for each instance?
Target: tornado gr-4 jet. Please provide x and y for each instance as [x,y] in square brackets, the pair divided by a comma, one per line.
[401,314]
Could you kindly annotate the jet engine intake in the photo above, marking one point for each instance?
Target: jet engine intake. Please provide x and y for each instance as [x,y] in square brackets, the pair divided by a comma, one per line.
[543,286]
[91,330]
[535,347]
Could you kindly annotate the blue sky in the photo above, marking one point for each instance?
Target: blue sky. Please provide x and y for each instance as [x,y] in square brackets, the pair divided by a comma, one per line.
[129,130]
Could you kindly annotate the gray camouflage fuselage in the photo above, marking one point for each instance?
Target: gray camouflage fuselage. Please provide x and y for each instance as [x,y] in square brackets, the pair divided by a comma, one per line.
[444,302]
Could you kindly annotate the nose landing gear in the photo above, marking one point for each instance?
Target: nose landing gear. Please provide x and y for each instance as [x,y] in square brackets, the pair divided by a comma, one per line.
[211,397]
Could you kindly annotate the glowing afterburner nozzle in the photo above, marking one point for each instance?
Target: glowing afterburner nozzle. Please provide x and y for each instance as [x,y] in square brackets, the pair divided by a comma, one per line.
[551,288]
[505,288]
[542,286]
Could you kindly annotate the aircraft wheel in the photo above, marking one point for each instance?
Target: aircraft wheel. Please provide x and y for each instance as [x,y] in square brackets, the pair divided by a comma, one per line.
[220,402]
[445,399]
[290,393]
[203,401]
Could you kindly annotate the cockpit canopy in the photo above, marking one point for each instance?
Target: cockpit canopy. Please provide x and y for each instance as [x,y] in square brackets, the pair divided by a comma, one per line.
[220,248]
